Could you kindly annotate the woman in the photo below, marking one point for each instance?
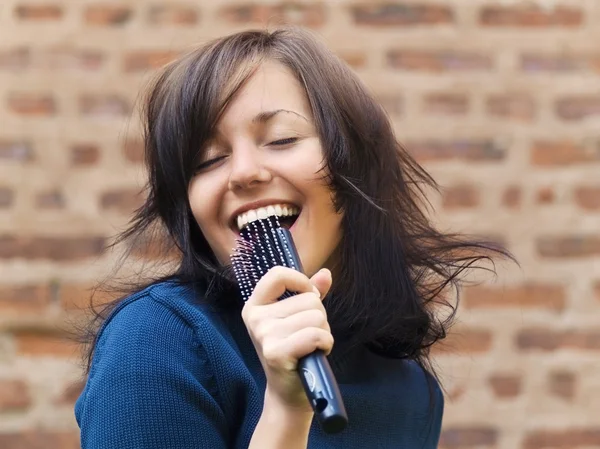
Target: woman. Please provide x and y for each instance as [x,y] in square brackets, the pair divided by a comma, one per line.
[261,119]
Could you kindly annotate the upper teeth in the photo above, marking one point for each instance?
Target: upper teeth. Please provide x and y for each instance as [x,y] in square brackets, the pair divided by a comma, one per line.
[281,210]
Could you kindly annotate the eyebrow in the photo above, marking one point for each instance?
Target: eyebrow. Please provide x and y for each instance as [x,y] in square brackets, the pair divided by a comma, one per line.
[265,116]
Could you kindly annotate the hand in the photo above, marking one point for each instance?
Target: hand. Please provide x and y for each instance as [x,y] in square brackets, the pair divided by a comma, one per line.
[284,331]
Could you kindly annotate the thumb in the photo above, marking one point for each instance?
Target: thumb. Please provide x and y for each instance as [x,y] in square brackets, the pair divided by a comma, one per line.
[322,281]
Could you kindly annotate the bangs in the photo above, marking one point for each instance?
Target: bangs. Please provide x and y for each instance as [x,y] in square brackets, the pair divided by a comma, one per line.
[188,100]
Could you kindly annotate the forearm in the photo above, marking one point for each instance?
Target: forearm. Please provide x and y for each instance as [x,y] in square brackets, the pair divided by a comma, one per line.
[281,428]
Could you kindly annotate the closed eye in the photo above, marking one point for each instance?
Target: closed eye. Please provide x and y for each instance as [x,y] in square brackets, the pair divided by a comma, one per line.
[206,164]
[287,141]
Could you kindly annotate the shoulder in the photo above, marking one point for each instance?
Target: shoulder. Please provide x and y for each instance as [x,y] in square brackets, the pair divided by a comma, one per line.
[428,389]
[159,311]
[161,328]
[420,392]
[424,384]
[149,361]
[154,327]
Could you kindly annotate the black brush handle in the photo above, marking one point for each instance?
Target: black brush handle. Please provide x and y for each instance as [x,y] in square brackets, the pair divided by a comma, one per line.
[316,375]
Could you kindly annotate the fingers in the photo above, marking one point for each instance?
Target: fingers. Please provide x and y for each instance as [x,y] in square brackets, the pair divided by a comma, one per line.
[276,281]
[287,351]
[322,280]
[283,327]
[294,304]
[261,320]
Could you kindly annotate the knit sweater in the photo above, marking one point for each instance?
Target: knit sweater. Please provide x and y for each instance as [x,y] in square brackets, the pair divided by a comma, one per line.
[172,372]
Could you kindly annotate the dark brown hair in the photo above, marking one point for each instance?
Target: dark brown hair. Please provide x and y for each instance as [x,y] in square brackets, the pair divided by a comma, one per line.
[398,271]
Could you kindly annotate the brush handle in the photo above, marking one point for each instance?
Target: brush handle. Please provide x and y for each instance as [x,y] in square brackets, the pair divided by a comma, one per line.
[316,375]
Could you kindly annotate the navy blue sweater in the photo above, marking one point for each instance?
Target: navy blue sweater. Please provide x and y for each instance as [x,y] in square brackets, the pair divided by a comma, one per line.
[169,372]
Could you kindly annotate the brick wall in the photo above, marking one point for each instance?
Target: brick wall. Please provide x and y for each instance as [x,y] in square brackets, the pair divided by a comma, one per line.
[499,99]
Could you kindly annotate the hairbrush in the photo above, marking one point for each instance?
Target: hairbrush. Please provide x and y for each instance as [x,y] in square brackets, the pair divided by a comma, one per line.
[264,244]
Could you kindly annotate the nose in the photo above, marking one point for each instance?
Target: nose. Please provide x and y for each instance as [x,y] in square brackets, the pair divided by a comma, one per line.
[247,168]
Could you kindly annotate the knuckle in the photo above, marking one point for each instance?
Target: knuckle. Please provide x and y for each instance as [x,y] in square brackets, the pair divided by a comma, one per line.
[318,317]
[278,273]
[315,301]
[270,353]
[262,330]
[250,316]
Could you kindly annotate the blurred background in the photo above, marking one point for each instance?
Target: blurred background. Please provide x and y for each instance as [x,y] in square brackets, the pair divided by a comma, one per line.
[500,100]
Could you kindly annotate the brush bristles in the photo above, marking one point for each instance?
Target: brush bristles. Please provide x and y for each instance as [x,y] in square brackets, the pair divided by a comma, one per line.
[257,251]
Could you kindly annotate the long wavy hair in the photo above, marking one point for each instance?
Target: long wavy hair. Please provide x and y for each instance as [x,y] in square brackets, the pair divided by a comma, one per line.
[396,290]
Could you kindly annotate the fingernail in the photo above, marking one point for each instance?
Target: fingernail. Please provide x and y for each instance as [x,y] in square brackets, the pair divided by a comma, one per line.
[316,291]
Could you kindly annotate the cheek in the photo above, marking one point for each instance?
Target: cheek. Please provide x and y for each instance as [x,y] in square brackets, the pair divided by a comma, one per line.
[203,201]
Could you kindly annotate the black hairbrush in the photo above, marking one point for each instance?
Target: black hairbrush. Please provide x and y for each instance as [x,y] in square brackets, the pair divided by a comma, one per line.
[263,245]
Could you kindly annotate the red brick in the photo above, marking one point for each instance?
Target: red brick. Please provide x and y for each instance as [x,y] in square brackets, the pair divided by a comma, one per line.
[355,59]
[7,196]
[562,384]
[578,107]
[31,104]
[530,16]
[512,197]
[467,150]
[173,14]
[561,153]
[133,150]
[82,296]
[50,248]
[568,246]
[15,59]
[446,103]
[45,343]
[438,61]
[67,58]
[103,106]
[552,340]
[85,154]
[468,437]
[38,439]
[52,199]
[107,15]
[30,298]
[147,60]
[512,106]
[14,395]
[123,200]
[465,340]
[545,195]
[537,296]
[460,196]
[309,15]
[505,385]
[20,151]
[559,63]
[39,12]
[71,393]
[455,393]
[563,439]
[155,250]
[587,197]
[402,14]
[594,63]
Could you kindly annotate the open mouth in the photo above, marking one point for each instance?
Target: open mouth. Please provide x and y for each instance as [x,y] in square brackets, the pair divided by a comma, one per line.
[286,213]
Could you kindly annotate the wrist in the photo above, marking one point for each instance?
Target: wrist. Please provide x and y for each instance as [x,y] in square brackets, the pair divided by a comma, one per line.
[281,426]
[275,407]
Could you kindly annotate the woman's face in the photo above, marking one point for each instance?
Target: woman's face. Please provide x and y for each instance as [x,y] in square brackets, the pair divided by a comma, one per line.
[266,152]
